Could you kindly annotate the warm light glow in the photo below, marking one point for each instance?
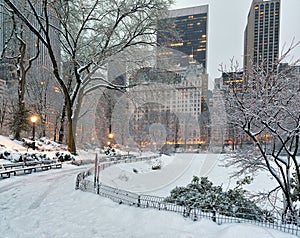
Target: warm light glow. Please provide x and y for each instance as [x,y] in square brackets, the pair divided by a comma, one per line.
[201,142]
[56,89]
[33,119]
[177,44]
[110,135]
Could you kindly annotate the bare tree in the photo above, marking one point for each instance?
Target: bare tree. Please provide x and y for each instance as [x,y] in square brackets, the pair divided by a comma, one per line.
[3,111]
[267,110]
[16,51]
[90,32]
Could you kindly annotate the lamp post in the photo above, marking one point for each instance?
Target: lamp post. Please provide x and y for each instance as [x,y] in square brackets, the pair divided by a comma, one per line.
[33,119]
[110,139]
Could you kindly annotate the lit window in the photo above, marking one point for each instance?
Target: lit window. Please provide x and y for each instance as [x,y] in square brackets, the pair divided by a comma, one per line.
[190,17]
[203,36]
[177,44]
[56,89]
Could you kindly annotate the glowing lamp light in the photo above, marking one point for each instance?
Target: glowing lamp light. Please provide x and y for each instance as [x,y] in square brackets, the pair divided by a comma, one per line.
[33,119]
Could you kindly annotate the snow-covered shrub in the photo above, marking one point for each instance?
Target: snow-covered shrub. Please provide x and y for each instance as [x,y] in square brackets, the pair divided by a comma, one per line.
[61,156]
[110,151]
[201,193]
[14,156]
[10,155]
[156,165]
[42,144]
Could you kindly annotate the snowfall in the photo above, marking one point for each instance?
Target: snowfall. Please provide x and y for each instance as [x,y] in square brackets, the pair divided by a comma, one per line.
[46,205]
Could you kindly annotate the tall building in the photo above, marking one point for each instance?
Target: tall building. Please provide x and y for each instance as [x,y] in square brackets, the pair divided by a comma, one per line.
[176,104]
[190,42]
[261,36]
[10,45]
[14,36]
[232,81]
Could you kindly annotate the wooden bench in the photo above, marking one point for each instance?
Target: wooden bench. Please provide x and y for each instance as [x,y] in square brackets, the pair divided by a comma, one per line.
[29,169]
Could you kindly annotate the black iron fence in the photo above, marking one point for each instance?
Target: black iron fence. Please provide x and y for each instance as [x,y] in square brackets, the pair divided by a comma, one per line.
[84,183]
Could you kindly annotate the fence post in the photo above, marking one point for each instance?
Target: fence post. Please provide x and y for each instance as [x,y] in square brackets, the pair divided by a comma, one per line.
[77,182]
[95,170]
[139,201]
[195,218]
[214,216]
[98,188]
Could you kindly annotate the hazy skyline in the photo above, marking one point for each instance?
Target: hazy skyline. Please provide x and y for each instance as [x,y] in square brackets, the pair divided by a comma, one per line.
[226,24]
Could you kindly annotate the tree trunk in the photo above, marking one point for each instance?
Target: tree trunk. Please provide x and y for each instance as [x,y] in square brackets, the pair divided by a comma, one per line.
[21,92]
[71,139]
[77,112]
[62,125]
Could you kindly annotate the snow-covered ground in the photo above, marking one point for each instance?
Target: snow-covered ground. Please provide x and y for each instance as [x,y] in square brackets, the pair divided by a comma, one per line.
[177,170]
[46,205]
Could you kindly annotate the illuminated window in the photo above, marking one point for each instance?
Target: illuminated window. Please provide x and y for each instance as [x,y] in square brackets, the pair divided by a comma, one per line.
[177,44]
[203,36]
[166,53]
[190,17]
[256,7]
[56,89]
[190,25]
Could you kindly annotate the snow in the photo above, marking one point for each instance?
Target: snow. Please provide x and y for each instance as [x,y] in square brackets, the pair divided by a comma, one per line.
[46,205]
[11,144]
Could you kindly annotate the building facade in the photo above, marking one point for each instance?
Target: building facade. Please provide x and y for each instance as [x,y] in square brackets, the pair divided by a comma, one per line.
[176,105]
[189,39]
[261,35]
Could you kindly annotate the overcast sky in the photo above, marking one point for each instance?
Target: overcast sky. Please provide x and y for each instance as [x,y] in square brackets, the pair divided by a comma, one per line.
[227,21]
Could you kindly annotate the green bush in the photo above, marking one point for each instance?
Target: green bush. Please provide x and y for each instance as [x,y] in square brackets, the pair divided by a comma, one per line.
[201,193]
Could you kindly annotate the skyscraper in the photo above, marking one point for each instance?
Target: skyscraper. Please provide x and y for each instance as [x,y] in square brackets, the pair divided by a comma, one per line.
[191,26]
[261,36]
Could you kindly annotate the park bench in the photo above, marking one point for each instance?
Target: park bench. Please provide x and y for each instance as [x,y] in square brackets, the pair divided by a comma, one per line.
[13,170]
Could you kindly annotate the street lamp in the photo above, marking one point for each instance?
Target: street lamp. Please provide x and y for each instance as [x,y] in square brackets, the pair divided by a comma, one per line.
[110,135]
[33,119]
[110,139]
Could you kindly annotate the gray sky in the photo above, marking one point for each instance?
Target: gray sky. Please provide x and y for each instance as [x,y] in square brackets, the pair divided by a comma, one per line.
[227,21]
